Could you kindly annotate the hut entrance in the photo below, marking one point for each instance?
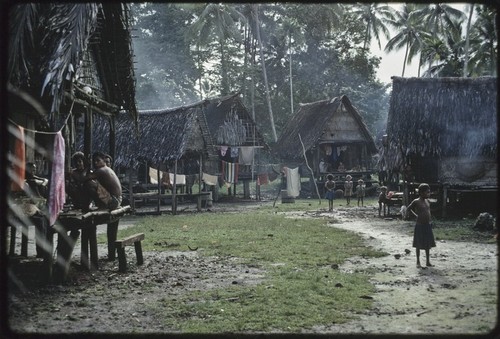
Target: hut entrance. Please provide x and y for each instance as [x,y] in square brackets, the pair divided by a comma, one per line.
[341,157]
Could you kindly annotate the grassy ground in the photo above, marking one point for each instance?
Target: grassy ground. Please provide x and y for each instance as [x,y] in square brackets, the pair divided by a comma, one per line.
[302,287]
[282,248]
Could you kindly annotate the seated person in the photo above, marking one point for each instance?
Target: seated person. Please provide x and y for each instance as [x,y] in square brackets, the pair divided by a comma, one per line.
[105,188]
[341,167]
[76,183]
[37,185]
[323,167]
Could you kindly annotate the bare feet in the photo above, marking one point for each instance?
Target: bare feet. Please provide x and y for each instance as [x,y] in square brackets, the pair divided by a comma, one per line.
[429,265]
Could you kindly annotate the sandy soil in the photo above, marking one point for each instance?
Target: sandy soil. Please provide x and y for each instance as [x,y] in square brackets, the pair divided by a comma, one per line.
[457,296]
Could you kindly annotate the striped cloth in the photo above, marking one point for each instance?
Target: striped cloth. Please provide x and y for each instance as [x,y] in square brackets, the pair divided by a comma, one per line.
[230,172]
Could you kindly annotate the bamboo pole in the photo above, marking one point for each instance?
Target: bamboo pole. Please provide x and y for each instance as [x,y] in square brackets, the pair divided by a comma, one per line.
[312,173]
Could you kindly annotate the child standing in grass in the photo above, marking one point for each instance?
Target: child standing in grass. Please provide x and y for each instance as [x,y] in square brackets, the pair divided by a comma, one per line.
[382,197]
[360,191]
[348,189]
[330,191]
[423,237]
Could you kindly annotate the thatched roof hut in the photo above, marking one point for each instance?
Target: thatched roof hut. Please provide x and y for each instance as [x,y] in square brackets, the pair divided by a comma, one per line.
[311,122]
[444,116]
[164,135]
[168,134]
[333,134]
[71,57]
[69,62]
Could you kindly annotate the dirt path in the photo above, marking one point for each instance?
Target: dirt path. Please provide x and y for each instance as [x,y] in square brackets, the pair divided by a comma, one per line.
[458,295]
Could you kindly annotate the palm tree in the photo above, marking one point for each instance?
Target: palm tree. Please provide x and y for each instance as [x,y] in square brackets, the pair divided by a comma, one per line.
[219,20]
[442,17]
[467,39]
[374,15]
[255,14]
[483,43]
[410,31]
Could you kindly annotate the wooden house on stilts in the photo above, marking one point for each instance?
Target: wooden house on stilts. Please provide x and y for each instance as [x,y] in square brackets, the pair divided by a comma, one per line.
[329,136]
[443,131]
[184,141]
[68,63]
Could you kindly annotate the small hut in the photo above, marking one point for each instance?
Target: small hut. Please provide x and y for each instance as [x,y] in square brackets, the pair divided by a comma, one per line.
[68,62]
[332,136]
[176,138]
[443,131]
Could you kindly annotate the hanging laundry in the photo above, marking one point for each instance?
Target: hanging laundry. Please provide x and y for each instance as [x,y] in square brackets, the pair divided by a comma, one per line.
[223,150]
[292,181]
[153,176]
[230,172]
[246,155]
[328,150]
[210,180]
[19,161]
[234,152]
[263,179]
[272,176]
[57,195]
[180,179]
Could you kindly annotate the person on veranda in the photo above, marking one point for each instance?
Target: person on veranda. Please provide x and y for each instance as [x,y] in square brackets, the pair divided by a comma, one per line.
[105,188]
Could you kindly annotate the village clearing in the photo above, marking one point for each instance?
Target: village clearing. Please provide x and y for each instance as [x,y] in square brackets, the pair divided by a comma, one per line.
[459,295]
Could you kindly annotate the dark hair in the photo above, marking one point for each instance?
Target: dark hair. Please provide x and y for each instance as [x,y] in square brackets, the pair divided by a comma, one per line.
[98,155]
[423,187]
[329,176]
[79,156]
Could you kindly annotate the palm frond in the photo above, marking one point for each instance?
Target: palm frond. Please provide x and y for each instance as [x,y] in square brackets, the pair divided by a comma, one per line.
[21,40]
[70,29]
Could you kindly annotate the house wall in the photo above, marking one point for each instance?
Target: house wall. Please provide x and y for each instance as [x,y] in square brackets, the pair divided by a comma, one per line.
[477,171]
[343,127]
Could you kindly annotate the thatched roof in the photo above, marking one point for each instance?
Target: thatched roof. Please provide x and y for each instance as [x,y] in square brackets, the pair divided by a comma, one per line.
[230,123]
[310,121]
[164,135]
[56,49]
[443,116]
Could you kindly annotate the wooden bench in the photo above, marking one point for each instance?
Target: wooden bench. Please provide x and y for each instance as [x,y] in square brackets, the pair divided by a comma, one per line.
[120,246]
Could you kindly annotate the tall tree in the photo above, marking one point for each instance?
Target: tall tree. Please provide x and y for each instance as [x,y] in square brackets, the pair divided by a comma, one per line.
[264,72]
[467,39]
[374,15]
[410,31]
[484,42]
[222,22]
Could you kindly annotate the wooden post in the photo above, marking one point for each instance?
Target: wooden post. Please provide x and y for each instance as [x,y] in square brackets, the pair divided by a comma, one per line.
[131,189]
[84,256]
[112,232]
[65,246]
[94,264]
[174,190]
[138,252]
[200,170]
[445,200]
[158,180]
[112,139]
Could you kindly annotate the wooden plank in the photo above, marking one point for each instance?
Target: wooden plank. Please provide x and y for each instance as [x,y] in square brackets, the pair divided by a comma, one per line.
[129,240]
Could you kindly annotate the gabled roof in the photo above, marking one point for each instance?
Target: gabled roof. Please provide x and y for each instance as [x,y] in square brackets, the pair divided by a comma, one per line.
[443,116]
[168,134]
[309,122]
[230,123]
[57,49]
[164,135]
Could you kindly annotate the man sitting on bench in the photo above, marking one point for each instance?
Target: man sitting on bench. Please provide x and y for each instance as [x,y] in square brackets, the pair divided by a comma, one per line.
[106,190]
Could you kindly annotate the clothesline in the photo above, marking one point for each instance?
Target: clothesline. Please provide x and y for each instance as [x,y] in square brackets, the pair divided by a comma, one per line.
[43,132]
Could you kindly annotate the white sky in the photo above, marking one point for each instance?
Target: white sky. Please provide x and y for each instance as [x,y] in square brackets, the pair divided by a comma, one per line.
[392,63]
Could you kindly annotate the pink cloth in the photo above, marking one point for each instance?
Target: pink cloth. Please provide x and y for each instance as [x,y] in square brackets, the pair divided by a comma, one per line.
[19,163]
[57,196]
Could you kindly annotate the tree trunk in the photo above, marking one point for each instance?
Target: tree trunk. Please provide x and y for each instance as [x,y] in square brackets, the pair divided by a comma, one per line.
[271,117]
[291,80]
[467,34]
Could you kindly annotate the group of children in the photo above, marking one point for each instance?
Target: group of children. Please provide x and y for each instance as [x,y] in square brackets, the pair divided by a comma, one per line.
[348,190]
[423,236]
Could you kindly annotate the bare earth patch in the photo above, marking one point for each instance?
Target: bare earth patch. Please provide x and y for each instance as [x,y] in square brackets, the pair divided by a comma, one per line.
[456,296]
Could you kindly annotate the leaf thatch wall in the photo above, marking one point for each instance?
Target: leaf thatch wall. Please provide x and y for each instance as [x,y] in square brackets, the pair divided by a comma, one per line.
[164,135]
[310,121]
[443,117]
